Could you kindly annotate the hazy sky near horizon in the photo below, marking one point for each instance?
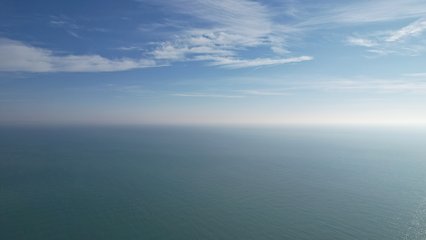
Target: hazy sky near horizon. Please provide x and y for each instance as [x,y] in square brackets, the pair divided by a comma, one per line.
[214,62]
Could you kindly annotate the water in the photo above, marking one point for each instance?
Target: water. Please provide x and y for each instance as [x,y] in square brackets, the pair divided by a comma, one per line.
[212,183]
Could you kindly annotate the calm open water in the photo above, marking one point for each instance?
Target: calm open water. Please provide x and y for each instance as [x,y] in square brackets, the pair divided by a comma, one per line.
[123,183]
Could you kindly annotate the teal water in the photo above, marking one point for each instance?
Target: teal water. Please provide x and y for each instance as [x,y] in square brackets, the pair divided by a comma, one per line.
[212,183]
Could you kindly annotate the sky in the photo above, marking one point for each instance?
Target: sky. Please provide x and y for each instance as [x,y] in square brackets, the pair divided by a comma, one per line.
[213,62]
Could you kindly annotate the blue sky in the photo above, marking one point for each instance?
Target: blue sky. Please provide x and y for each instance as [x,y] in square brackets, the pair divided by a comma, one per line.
[213,62]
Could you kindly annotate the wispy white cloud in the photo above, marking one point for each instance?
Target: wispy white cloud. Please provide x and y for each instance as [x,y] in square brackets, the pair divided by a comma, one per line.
[234,93]
[128,89]
[206,95]
[73,26]
[168,51]
[63,22]
[20,57]
[223,30]
[363,42]
[67,24]
[376,85]
[233,34]
[365,11]
[258,62]
[402,41]
[411,30]
[246,17]
[416,75]
[374,88]
[364,85]
[74,34]
[129,48]
[232,26]
[229,27]
[263,92]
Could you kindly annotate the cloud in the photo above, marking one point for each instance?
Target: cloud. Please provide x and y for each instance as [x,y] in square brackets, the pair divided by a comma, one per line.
[223,31]
[263,92]
[231,34]
[232,27]
[362,84]
[74,34]
[75,27]
[234,93]
[242,16]
[131,48]
[258,62]
[67,24]
[372,88]
[168,51]
[363,42]
[379,85]
[206,95]
[420,74]
[19,57]
[411,30]
[402,41]
[365,11]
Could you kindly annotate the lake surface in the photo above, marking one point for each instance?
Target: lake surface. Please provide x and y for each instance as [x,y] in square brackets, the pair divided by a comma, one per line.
[214,183]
